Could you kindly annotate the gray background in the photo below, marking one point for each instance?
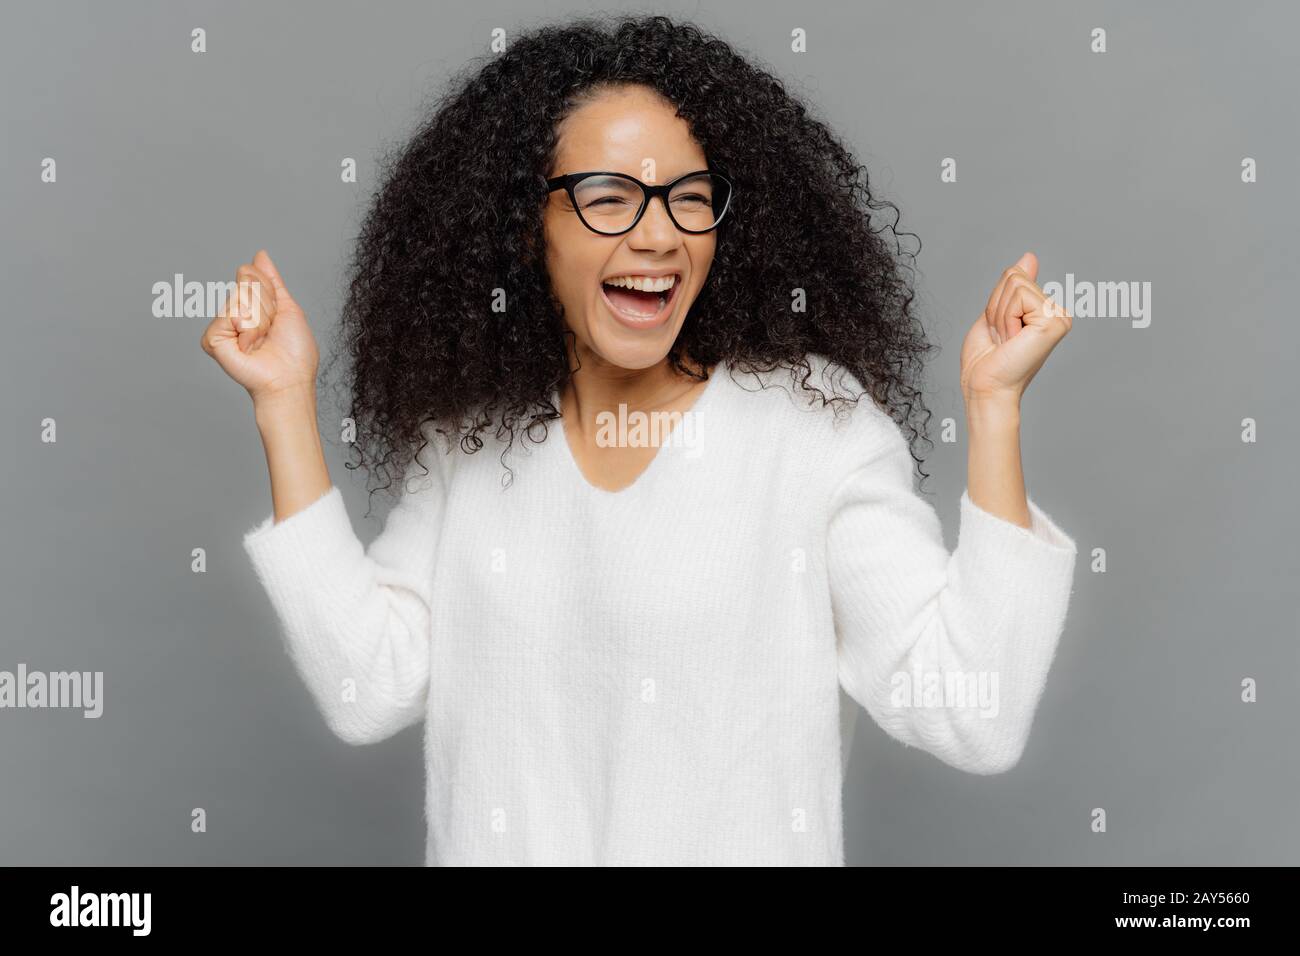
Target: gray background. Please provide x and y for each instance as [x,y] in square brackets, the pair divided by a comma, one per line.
[1116,167]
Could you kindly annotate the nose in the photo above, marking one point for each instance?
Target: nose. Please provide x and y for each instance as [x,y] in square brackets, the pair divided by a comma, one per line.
[655,232]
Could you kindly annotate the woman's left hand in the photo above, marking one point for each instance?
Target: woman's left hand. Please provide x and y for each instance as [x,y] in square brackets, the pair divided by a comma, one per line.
[1008,344]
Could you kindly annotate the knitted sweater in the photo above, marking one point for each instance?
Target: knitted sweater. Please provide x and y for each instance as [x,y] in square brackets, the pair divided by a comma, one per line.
[652,676]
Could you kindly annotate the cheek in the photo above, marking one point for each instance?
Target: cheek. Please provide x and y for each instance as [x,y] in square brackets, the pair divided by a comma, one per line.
[702,261]
[574,270]
[569,280]
[571,289]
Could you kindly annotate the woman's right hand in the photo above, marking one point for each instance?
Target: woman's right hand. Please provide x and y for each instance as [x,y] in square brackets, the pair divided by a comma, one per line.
[261,338]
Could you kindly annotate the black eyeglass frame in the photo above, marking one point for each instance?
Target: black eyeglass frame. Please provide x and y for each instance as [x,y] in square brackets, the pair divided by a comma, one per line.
[569,182]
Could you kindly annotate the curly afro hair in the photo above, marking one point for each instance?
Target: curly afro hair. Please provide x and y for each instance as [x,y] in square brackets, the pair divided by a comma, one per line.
[459,215]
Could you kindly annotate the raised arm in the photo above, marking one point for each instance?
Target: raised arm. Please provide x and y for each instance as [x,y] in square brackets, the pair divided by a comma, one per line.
[950,652]
[355,621]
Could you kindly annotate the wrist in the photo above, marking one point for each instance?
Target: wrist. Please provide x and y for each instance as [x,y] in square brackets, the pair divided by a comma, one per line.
[990,411]
[287,404]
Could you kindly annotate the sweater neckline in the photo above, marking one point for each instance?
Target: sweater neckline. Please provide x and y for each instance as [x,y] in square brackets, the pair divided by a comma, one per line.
[669,449]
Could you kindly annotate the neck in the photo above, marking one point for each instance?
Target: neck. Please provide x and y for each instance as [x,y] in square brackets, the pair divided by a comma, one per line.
[598,386]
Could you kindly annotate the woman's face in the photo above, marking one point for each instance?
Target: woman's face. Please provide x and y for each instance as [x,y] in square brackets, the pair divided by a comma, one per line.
[632,131]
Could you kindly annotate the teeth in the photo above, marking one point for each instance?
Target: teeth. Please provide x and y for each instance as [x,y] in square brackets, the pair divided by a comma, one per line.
[643,283]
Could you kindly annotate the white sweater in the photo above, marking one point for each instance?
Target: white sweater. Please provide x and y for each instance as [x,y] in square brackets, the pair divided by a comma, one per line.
[651,676]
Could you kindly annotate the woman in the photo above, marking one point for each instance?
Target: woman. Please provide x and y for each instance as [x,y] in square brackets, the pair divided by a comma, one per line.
[627,651]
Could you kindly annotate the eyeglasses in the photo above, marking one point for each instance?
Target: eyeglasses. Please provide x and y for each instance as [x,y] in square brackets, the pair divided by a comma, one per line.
[613,203]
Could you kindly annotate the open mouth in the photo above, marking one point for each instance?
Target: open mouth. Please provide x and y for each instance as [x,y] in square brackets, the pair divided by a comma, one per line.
[641,300]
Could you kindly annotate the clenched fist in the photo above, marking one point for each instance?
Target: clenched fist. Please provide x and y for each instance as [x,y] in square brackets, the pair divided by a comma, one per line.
[261,338]
[1008,344]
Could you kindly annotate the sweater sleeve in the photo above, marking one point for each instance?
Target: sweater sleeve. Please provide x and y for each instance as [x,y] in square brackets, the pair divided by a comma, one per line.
[946,652]
[356,621]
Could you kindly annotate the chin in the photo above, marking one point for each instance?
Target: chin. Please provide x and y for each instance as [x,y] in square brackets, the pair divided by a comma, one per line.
[629,347]
[614,347]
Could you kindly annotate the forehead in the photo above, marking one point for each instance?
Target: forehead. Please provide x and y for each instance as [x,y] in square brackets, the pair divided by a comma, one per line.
[620,130]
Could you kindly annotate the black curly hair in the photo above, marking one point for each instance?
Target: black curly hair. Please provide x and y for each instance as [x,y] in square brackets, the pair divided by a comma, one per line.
[459,215]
